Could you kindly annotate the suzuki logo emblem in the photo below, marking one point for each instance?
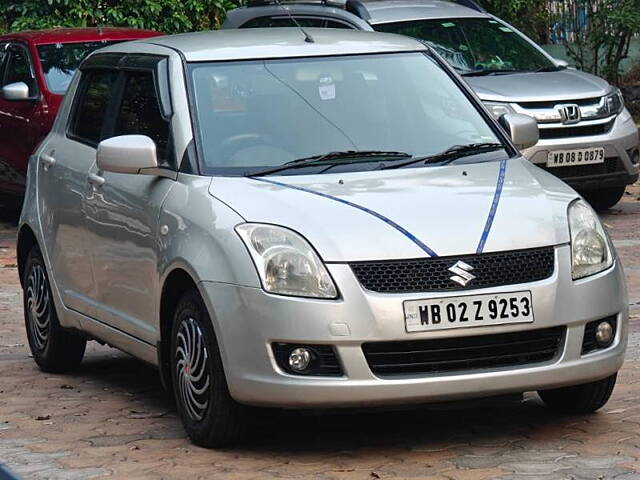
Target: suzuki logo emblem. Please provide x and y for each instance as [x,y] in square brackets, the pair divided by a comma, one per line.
[570,114]
[462,273]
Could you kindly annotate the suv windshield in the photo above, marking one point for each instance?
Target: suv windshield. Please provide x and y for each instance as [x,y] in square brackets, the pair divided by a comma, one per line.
[258,114]
[61,60]
[475,45]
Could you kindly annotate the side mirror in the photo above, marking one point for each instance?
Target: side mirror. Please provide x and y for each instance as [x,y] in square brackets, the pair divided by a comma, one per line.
[522,129]
[127,154]
[561,63]
[16,92]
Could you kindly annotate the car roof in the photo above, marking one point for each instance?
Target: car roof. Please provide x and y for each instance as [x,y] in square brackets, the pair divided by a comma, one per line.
[74,35]
[383,11]
[261,43]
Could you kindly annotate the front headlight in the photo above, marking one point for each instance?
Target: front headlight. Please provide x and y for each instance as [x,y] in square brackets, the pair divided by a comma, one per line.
[590,249]
[498,109]
[286,263]
[614,103]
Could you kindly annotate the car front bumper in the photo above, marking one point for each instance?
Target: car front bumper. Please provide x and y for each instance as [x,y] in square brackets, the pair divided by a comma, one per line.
[248,320]
[620,145]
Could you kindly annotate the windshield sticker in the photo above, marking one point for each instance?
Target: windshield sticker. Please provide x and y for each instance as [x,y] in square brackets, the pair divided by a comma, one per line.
[506,29]
[448,24]
[327,88]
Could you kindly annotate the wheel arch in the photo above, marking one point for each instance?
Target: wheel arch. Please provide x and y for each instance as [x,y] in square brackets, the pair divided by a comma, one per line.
[26,241]
[176,283]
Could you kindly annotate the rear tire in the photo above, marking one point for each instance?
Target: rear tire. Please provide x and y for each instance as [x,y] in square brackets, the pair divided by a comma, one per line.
[604,198]
[54,349]
[585,398]
[209,415]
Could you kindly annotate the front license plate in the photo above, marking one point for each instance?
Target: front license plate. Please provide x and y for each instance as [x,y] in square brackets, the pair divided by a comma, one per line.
[468,311]
[566,158]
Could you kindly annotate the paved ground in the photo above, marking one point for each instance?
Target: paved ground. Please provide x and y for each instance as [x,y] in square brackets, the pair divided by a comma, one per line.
[112,419]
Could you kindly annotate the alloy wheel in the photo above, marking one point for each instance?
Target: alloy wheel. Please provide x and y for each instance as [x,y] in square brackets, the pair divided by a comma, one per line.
[192,368]
[38,307]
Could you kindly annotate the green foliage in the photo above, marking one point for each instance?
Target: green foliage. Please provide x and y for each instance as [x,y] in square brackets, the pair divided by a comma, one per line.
[531,17]
[169,16]
[604,43]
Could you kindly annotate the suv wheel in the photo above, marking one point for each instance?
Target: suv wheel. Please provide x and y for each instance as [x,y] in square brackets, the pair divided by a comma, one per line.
[604,198]
[54,348]
[585,398]
[209,414]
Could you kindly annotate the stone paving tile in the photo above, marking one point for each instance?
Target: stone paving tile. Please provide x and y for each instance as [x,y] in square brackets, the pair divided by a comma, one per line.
[111,419]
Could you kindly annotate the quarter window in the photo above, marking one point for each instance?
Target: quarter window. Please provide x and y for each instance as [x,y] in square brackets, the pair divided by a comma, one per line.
[19,70]
[92,105]
[140,114]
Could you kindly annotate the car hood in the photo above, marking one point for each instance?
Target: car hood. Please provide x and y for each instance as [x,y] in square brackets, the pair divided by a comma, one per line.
[563,85]
[384,215]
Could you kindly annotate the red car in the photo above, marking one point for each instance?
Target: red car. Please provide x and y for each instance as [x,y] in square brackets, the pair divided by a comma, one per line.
[35,70]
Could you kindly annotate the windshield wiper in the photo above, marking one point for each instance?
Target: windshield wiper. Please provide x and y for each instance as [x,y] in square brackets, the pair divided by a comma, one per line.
[549,69]
[331,159]
[450,154]
[490,71]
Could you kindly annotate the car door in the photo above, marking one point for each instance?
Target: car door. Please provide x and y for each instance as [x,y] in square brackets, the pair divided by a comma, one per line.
[18,130]
[122,212]
[63,167]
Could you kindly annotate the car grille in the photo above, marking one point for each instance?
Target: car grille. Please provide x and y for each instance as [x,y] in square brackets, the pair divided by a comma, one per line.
[581,103]
[577,131]
[433,275]
[610,165]
[387,359]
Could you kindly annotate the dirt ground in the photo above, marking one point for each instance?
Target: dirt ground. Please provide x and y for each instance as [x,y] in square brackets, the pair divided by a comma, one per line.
[112,418]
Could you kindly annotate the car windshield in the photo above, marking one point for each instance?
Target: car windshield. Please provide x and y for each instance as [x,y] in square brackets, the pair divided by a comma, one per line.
[475,45]
[258,114]
[61,60]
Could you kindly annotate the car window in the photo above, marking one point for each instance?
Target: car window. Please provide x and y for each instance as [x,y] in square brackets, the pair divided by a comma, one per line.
[91,107]
[3,54]
[19,69]
[268,22]
[60,61]
[139,113]
[474,44]
[259,113]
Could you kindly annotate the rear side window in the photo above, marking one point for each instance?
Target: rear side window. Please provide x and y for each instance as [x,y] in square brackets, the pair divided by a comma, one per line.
[95,92]
[139,113]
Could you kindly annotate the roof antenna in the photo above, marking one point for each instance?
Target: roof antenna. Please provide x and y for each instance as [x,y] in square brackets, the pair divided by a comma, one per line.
[307,38]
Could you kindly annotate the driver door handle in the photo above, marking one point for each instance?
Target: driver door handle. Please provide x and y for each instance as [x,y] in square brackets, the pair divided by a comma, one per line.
[96,180]
[47,161]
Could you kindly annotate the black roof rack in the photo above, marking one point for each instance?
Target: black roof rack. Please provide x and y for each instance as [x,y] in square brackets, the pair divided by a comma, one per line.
[356,7]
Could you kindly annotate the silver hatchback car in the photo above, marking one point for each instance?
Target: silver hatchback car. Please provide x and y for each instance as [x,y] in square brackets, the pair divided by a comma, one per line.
[298,219]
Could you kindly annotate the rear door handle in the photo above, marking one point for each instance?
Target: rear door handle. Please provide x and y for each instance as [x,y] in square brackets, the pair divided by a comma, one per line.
[96,180]
[47,161]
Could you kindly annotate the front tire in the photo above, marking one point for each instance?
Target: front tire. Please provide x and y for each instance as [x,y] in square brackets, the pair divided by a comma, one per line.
[54,348]
[209,415]
[604,198]
[585,398]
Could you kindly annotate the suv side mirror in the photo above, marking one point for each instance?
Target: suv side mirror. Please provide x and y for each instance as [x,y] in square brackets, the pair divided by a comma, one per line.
[127,154]
[17,91]
[561,63]
[522,129]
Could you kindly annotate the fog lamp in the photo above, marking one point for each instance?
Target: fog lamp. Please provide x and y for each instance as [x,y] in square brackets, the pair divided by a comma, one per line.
[299,359]
[604,334]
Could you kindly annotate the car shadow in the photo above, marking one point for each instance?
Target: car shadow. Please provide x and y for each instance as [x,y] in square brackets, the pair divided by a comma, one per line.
[489,422]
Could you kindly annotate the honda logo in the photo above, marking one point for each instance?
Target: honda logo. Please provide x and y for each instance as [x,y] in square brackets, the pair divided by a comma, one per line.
[462,273]
[569,114]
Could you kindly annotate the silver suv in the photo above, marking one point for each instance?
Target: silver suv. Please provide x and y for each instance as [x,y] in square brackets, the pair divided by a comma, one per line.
[302,221]
[587,137]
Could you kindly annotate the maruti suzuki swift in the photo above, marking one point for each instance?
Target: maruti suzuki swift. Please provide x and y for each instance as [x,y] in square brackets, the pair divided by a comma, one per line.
[311,219]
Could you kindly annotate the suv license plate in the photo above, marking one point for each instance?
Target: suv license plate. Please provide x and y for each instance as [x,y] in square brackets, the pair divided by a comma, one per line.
[566,158]
[468,311]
